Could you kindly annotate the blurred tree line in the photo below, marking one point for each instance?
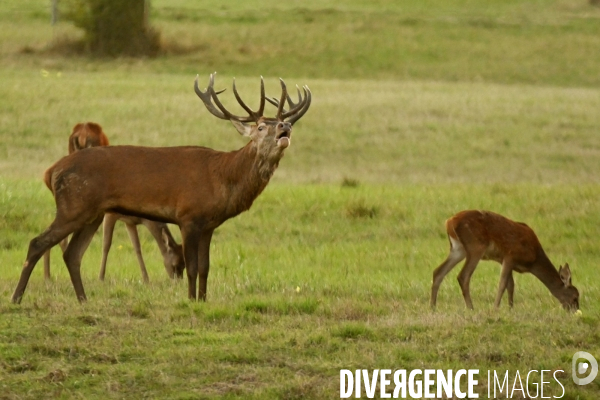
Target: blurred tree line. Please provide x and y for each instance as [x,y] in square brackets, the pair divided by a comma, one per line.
[113,27]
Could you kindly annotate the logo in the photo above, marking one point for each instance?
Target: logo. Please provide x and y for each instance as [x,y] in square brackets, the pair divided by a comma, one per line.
[580,368]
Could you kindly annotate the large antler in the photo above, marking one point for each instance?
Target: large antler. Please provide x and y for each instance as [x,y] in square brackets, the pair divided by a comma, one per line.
[210,96]
[297,110]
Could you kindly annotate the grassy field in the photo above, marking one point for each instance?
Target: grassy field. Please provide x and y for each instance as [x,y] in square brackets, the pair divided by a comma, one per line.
[420,109]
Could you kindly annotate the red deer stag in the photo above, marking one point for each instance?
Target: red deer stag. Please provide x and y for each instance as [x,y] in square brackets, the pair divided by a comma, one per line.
[90,134]
[194,187]
[484,235]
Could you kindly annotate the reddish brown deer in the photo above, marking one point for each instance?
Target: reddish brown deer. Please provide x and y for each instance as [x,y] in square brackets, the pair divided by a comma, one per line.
[194,187]
[90,134]
[484,235]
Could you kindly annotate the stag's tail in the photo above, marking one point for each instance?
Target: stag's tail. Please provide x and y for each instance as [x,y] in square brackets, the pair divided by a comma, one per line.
[48,178]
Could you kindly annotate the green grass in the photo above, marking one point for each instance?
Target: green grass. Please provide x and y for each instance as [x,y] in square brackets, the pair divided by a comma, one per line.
[421,109]
[301,286]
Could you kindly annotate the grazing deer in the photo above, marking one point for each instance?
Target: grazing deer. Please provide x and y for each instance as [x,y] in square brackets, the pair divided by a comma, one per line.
[90,134]
[484,235]
[171,251]
[194,187]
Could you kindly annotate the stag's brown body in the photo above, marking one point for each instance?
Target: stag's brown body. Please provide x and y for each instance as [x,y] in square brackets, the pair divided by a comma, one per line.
[178,184]
[484,235]
[196,188]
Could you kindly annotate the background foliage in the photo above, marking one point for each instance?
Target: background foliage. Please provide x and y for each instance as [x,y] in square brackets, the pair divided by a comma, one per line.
[113,27]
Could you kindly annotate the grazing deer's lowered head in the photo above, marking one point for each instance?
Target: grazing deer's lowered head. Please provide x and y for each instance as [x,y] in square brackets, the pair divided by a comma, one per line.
[88,134]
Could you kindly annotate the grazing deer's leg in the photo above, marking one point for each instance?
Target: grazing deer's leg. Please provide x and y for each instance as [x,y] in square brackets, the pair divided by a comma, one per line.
[191,239]
[135,240]
[37,247]
[155,229]
[79,243]
[505,277]
[457,254]
[464,277]
[203,263]
[510,287]
[108,228]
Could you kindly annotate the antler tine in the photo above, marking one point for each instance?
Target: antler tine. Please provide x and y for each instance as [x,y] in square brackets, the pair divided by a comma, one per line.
[224,110]
[240,101]
[294,108]
[210,96]
[284,95]
[304,109]
[255,114]
[206,96]
[273,101]
[261,108]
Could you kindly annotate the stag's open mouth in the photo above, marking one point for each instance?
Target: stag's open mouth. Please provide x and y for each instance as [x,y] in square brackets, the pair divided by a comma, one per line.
[283,141]
[283,134]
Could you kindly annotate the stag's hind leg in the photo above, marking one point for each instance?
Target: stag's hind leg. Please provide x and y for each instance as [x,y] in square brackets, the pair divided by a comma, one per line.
[39,245]
[77,246]
[63,246]
[457,254]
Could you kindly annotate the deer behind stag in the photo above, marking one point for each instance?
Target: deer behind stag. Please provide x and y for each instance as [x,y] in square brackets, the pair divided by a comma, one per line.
[484,235]
[91,134]
[196,188]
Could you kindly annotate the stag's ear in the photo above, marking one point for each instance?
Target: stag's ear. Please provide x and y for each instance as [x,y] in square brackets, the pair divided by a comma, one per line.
[242,128]
[565,274]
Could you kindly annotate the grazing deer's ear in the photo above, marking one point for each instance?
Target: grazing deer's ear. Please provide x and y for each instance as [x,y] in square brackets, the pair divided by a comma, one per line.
[242,128]
[166,239]
[565,274]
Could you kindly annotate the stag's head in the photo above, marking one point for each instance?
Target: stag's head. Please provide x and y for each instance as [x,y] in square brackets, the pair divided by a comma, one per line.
[271,136]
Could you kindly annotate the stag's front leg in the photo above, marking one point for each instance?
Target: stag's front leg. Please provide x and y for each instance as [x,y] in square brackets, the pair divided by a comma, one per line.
[203,263]
[190,235]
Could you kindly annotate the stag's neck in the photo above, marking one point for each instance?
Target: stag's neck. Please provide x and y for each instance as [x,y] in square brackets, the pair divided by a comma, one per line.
[545,271]
[246,175]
